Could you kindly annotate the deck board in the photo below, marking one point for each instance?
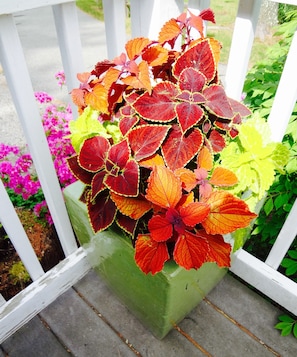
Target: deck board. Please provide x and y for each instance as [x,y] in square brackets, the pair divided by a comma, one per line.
[88,320]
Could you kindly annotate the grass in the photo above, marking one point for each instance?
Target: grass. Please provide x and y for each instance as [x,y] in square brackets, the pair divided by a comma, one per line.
[225,13]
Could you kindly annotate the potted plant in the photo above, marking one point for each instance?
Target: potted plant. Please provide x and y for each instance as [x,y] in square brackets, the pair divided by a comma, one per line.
[154,206]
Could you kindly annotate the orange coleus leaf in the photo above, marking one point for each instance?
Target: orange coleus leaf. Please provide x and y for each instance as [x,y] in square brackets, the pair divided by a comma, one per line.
[223,177]
[227,213]
[194,213]
[169,31]
[216,49]
[205,159]
[97,99]
[191,250]
[135,46]
[187,177]
[164,188]
[219,250]
[141,79]
[111,76]
[134,207]
[77,96]
[151,161]
[150,255]
[155,56]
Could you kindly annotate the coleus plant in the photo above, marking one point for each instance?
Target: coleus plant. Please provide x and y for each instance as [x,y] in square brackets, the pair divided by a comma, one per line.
[152,123]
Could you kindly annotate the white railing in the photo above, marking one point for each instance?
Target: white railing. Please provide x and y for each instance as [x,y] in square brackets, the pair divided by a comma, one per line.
[146,19]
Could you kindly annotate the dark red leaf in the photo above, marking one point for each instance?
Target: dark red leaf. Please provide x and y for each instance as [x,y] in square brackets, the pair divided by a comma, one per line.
[199,57]
[78,171]
[93,153]
[192,80]
[145,140]
[101,212]
[126,181]
[159,106]
[239,108]
[118,156]
[217,101]
[127,123]
[188,114]
[97,184]
[179,149]
[126,223]
[217,141]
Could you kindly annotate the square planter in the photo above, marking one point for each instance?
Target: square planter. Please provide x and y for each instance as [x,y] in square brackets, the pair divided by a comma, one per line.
[158,301]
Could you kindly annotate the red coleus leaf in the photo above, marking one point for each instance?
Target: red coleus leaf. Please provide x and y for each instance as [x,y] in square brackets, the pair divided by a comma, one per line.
[217,101]
[227,213]
[134,207]
[199,57]
[188,114]
[145,140]
[81,174]
[178,148]
[101,212]
[93,153]
[118,157]
[159,106]
[219,250]
[150,255]
[164,188]
[160,228]
[102,67]
[124,182]
[217,141]
[127,123]
[191,250]
[194,213]
[192,80]
[239,108]
[208,15]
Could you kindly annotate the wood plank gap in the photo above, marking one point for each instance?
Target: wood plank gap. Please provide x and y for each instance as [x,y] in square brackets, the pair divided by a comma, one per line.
[3,351]
[104,319]
[47,326]
[194,342]
[242,328]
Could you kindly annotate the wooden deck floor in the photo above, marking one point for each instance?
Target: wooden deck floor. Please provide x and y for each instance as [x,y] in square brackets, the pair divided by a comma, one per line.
[89,321]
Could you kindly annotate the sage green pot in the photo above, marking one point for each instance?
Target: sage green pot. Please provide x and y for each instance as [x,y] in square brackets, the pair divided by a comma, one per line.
[158,301]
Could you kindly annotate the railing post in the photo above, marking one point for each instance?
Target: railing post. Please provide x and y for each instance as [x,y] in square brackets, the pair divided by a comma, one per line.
[69,42]
[18,80]
[115,26]
[242,42]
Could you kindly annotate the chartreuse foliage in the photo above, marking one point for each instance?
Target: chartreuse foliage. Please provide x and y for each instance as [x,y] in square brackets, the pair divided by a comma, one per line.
[158,178]
[254,159]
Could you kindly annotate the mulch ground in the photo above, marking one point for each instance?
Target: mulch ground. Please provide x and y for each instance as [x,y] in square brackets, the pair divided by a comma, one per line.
[45,244]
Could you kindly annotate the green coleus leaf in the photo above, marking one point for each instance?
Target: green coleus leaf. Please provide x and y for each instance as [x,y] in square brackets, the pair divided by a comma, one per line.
[254,158]
[86,126]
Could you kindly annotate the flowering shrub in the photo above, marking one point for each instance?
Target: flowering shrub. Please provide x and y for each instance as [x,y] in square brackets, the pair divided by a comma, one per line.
[16,166]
